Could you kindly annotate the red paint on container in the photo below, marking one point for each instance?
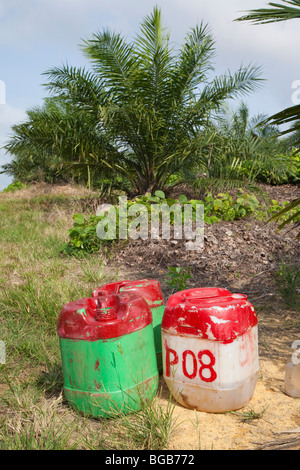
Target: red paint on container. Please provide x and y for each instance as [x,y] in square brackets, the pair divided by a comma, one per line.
[107,316]
[147,288]
[209,313]
[210,354]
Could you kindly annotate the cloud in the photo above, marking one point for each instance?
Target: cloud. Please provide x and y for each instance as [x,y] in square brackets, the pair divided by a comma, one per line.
[38,34]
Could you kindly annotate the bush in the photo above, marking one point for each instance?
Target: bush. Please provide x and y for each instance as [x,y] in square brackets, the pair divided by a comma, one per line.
[15,186]
[284,169]
[225,207]
[83,236]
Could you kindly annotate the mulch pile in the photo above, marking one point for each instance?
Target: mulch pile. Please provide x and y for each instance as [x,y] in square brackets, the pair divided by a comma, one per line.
[243,254]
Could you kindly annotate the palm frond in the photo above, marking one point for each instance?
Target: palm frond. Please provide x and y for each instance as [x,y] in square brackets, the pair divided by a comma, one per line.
[245,80]
[294,217]
[279,12]
[76,85]
[193,64]
[287,116]
[153,55]
[113,60]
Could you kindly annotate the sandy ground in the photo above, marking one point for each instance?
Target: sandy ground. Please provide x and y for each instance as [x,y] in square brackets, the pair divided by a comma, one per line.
[228,431]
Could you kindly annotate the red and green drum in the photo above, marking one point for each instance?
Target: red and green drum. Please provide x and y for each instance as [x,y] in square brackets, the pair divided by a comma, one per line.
[108,354]
[151,291]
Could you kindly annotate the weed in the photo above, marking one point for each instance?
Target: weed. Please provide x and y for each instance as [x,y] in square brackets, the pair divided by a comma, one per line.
[288,279]
[150,428]
[94,272]
[15,186]
[83,237]
[34,423]
[177,277]
[249,415]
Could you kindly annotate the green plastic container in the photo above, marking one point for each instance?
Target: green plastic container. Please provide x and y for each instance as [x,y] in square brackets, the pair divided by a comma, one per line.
[108,354]
[151,291]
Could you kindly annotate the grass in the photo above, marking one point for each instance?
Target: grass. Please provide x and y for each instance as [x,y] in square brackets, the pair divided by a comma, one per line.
[36,280]
[36,423]
[148,429]
[288,279]
[249,415]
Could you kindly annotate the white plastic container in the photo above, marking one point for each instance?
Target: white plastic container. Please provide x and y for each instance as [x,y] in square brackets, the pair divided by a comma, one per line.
[210,349]
[292,380]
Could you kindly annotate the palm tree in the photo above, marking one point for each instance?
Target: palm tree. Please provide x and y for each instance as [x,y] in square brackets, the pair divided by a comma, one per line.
[241,150]
[146,101]
[60,141]
[281,12]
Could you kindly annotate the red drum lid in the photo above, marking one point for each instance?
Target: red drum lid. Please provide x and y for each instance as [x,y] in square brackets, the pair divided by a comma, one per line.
[104,317]
[149,289]
[209,313]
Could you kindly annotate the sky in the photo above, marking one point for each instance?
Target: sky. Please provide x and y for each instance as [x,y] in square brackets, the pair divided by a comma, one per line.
[36,35]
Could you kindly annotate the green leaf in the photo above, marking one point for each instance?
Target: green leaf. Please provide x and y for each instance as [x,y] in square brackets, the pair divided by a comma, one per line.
[183,199]
[79,219]
[160,194]
[153,199]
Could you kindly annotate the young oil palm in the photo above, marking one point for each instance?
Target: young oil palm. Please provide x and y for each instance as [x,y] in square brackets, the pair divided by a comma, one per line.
[149,102]
[155,102]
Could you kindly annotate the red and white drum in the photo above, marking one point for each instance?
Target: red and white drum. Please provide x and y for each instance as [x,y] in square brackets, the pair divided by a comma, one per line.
[210,349]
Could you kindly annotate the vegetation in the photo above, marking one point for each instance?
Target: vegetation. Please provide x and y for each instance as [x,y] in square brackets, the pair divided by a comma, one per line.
[288,278]
[241,150]
[141,115]
[144,119]
[289,9]
[15,186]
[148,117]
[177,277]
[83,236]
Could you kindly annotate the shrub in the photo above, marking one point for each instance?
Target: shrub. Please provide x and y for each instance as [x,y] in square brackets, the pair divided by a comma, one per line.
[83,237]
[226,207]
[177,277]
[15,186]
